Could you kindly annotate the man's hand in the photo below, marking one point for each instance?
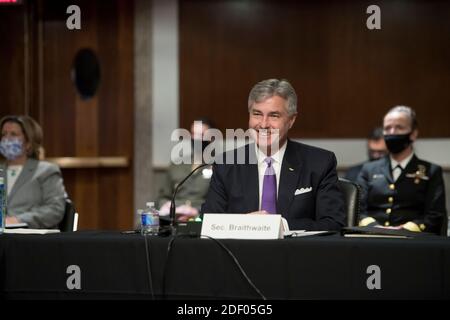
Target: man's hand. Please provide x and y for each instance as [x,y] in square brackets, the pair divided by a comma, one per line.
[183,213]
[165,209]
[186,212]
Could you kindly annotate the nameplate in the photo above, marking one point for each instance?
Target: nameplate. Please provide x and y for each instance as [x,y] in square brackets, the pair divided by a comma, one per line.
[242,226]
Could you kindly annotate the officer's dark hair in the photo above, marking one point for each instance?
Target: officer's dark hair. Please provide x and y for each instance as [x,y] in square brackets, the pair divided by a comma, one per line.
[409,111]
[376,134]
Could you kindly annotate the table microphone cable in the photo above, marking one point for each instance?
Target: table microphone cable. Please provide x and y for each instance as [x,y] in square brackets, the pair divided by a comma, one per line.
[235,260]
[149,271]
[228,251]
[169,250]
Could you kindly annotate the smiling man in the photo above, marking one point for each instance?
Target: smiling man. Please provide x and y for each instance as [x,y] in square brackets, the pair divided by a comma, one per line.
[288,178]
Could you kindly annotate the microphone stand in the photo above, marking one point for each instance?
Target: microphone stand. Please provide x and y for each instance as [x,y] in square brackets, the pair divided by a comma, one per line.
[172,203]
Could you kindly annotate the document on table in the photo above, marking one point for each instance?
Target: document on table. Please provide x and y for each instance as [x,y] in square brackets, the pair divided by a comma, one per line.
[391,236]
[300,233]
[16,225]
[31,231]
[304,233]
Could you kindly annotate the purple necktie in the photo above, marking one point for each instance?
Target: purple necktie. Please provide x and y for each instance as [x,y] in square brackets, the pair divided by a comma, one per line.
[269,191]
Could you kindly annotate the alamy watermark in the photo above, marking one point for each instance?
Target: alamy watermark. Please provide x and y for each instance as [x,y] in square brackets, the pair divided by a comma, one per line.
[73,281]
[222,150]
[73,22]
[373,282]
[374,20]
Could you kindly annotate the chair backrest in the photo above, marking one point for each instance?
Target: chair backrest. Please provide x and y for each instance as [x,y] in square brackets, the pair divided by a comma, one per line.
[67,223]
[351,192]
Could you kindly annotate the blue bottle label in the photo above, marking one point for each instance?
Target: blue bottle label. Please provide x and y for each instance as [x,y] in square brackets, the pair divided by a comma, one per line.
[2,203]
[149,220]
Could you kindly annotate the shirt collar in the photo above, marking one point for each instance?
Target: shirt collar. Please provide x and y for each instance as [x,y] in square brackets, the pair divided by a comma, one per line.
[277,157]
[402,163]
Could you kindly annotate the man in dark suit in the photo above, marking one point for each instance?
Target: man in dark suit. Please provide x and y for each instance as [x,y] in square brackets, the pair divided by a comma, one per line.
[279,176]
[376,149]
[401,191]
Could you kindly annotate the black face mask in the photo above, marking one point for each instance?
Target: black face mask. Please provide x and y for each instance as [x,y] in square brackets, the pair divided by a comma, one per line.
[396,143]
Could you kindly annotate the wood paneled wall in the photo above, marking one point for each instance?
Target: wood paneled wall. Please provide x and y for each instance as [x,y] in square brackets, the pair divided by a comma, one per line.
[345,75]
[12,71]
[73,127]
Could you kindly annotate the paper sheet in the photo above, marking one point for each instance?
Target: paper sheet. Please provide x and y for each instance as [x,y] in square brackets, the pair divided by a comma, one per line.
[31,231]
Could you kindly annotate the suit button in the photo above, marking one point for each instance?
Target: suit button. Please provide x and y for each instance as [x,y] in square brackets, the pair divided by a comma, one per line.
[386,223]
[392,186]
[388,210]
[391,199]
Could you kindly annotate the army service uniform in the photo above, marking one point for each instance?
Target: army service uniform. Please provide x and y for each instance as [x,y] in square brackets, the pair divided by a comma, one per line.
[192,192]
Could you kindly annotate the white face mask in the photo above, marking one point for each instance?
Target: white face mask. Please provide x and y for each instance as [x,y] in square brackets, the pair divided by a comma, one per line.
[11,148]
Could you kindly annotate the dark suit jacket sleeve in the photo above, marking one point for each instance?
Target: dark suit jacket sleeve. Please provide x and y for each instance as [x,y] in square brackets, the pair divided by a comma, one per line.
[434,202]
[216,199]
[330,213]
[363,181]
[330,200]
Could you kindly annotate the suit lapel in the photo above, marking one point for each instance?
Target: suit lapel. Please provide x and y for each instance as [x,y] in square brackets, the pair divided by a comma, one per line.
[410,167]
[250,175]
[290,173]
[25,175]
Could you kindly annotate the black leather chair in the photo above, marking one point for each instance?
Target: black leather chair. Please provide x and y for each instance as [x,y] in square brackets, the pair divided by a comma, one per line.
[444,227]
[351,192]
[67,223]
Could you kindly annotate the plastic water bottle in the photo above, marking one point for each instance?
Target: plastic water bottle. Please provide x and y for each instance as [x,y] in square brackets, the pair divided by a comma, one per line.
[150,220]
[2,201]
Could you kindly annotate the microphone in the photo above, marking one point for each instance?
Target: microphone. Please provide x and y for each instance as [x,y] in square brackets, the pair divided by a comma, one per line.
[172,203]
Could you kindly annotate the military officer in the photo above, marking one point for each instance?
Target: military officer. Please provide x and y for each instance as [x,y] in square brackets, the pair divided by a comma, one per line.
[376,149]
[190,196]
[401,190]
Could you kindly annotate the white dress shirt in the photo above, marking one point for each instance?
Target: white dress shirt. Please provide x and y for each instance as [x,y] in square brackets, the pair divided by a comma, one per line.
[396,172]
[262,166]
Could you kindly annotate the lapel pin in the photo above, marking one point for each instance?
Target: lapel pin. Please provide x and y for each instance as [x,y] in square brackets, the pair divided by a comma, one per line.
[420,174]
[291,169]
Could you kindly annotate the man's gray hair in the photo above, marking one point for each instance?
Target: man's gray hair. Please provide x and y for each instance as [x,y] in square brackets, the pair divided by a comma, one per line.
[274,87]
[409,112]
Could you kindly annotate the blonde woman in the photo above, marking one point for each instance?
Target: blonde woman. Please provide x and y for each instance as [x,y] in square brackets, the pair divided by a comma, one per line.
[35,190]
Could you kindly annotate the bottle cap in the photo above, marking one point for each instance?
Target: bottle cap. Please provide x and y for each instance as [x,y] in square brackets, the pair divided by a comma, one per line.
[150,204]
